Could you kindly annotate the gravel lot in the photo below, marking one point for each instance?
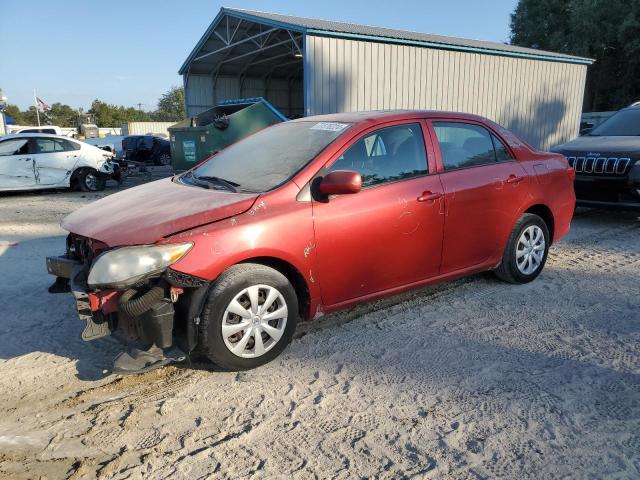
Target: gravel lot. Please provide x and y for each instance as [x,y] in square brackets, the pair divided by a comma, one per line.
[470,379]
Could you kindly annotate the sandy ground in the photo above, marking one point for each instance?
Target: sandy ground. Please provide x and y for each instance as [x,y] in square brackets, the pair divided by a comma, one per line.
[470,379]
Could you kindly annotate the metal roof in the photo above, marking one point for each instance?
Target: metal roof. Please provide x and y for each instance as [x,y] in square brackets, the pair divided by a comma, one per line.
[311,26]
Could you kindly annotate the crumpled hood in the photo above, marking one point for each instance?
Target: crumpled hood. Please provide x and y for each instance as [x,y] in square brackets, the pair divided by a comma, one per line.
[149,212]
[602,144]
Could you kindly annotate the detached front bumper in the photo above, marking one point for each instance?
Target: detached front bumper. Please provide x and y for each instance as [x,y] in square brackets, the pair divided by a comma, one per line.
[95,309]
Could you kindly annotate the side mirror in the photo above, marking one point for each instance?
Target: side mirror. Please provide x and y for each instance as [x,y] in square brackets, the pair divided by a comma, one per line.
[341,182]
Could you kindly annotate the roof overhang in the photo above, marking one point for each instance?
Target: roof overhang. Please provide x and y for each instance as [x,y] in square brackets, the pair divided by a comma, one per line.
[243,45]
[225,40]
[549,56]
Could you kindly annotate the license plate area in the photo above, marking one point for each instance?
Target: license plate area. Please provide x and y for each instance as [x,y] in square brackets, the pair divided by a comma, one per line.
[61,266]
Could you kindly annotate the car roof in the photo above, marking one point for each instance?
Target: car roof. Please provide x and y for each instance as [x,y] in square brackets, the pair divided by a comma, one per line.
[50,135]
[387,115]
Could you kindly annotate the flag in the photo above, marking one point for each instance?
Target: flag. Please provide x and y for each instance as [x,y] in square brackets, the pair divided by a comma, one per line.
[41,105]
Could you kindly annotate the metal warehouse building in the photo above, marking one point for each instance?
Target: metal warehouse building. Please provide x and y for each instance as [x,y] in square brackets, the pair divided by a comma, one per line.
[308,67]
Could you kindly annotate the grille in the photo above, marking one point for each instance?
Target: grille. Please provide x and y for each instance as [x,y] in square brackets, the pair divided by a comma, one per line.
[600,165]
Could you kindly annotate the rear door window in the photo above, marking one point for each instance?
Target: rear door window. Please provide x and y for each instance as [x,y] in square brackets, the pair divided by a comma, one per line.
[464,145]
[49,145]
[386,155]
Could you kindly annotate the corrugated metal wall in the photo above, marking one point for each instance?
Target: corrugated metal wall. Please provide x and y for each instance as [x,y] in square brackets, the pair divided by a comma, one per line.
[200,93]
[286,97]
[142,128]
[539,100]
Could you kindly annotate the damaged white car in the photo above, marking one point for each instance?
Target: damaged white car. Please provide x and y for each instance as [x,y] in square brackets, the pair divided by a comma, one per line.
[35,161]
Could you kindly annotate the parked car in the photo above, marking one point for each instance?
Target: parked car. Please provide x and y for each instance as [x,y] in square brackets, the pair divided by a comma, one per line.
[111,142]
[607,162]
[147,149]
[304,217]
[30,161]
[50,129]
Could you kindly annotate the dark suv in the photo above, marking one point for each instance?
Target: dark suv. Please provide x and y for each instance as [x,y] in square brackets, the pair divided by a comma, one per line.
[607,162]
[147,149]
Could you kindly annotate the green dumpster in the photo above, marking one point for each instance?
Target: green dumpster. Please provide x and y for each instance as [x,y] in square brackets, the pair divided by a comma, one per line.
[197,138]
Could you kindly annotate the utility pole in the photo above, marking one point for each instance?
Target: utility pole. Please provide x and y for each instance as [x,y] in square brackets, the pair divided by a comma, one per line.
[3,106]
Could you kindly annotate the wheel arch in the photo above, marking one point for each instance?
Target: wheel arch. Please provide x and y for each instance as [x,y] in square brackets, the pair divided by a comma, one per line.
[546,214]
[292,273]
[73,179]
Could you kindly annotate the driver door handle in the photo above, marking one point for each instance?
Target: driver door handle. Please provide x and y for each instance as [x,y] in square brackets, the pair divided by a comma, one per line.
[514,179]
[429,196]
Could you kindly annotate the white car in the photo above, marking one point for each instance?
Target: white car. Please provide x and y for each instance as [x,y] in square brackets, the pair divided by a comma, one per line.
[42,129]
[30,161]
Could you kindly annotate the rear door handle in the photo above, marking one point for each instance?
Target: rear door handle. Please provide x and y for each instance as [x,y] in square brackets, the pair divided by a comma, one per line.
[429,197]
[514,179]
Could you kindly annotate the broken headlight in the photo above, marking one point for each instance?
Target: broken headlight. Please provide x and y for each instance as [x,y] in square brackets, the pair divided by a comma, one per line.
[123,267]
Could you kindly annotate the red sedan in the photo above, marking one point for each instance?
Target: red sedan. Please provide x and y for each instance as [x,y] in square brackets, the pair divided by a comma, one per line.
[305,217]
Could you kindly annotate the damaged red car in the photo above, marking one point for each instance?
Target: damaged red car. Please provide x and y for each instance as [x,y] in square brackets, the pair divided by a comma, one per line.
[305,217]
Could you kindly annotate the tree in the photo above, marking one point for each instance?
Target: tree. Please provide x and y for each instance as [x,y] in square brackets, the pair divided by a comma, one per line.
[171,106]
[61,115]
[14,112]
[170,109]
[30,116]
[608,32]
[114,116]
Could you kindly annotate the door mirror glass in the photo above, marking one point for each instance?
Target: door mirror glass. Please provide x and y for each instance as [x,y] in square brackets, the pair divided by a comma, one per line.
[341,182]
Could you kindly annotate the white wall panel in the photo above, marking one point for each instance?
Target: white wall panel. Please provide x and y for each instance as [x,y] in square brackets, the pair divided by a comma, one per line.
[539,100]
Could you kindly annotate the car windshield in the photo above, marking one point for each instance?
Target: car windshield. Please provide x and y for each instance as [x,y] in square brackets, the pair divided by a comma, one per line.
[623,123]
[266,159]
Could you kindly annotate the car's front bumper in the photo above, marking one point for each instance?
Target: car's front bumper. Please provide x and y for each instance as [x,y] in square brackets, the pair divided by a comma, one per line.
[90,307]
[597,191]
[608,205]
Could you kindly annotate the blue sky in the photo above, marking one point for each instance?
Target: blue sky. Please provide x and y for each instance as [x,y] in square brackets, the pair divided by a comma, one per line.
[129,52]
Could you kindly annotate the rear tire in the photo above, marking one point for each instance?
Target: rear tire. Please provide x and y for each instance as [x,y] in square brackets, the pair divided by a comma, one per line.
[257,308]
[526,252]
[88,180]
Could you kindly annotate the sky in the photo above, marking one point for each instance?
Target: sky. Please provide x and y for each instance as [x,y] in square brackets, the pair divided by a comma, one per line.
[129,52]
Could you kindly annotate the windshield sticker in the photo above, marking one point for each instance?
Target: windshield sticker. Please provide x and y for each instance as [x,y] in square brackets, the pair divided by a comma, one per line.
[330,126]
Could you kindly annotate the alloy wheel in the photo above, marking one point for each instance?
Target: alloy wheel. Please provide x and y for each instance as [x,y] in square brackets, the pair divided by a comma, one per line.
[91,181]
[530,250]
[254,321]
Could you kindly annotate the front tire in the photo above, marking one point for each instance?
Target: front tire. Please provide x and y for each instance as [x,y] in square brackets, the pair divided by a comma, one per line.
[249,317]
[526,252]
